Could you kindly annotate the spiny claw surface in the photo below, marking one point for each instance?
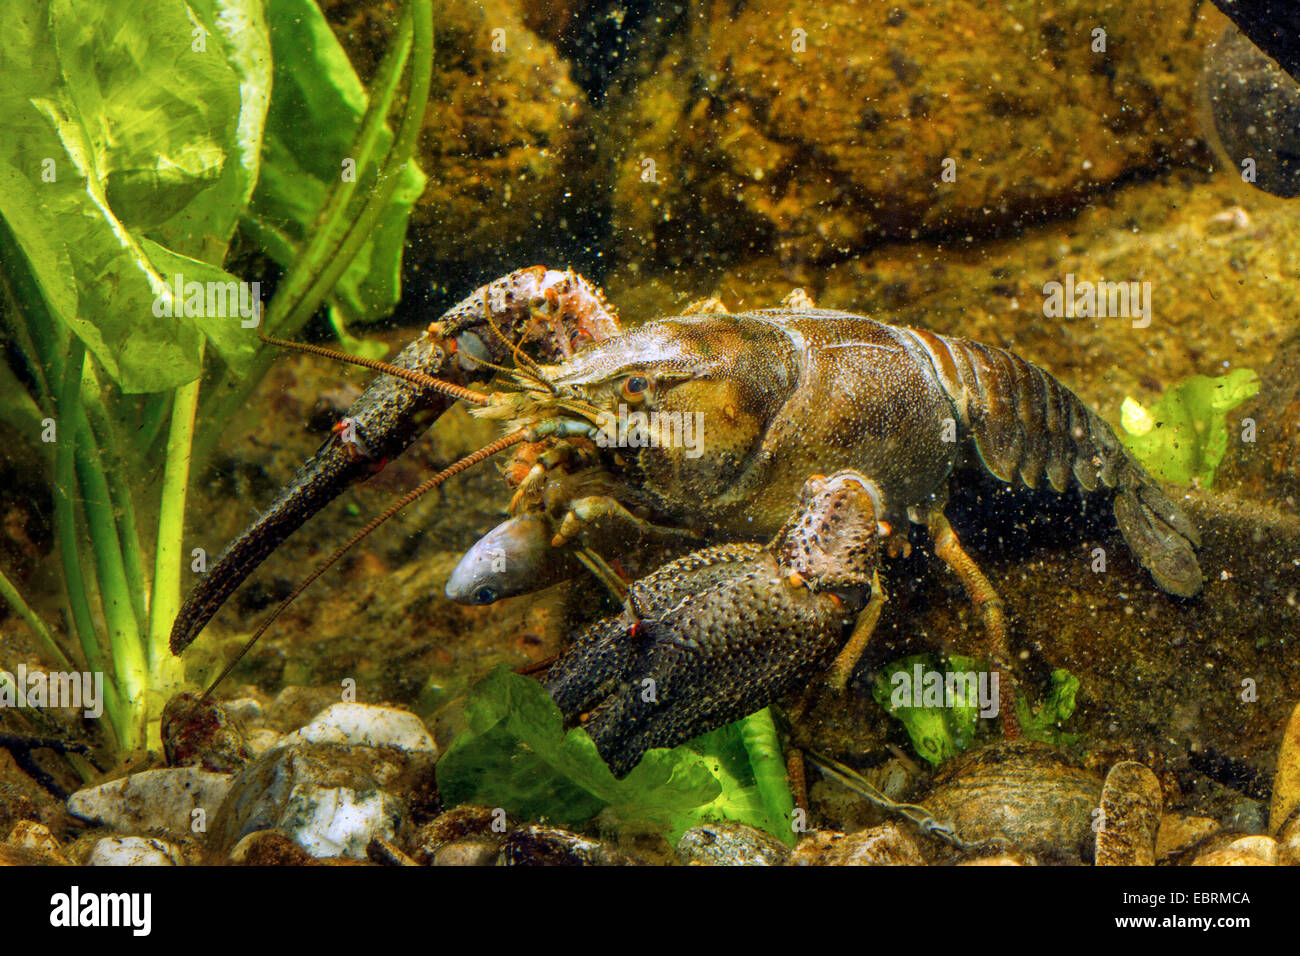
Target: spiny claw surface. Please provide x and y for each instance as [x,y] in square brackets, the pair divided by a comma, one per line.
[721,633]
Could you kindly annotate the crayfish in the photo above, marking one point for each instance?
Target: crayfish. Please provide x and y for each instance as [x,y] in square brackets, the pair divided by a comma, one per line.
[785,580]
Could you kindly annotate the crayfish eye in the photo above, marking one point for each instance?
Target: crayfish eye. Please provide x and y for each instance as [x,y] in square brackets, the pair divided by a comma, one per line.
[635,387]
[484,595]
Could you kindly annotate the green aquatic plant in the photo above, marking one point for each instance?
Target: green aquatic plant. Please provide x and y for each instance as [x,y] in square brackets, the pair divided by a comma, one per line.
[915,691]
[1043,723]
[938,730]
[136,143]
[1182,437]
[517,755]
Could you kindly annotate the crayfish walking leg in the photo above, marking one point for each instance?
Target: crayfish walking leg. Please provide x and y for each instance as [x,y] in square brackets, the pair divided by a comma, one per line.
[987,604]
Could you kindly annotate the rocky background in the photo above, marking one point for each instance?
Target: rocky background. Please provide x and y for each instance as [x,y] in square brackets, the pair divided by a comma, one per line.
[741,149]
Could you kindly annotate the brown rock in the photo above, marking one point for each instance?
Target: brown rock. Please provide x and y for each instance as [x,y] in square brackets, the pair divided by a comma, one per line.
[331,799]
[467,853]
[29,835]
[197,732]
[809,130]
[1288,841]
[552,846]
[1247,851]
[1286,781]
[11,855]
[270,848]
[1180,832]
[1261,846]
[463,824]
[1002,860]
[886,845]
[506,144]
[1130,816]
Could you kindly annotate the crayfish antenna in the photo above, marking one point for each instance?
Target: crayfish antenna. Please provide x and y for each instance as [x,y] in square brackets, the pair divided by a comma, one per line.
[487,451]
[410,375]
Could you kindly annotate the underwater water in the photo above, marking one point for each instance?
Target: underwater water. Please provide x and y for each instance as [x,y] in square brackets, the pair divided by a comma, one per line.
[726,433]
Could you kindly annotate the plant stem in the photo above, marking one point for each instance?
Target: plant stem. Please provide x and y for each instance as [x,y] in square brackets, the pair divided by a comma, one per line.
[323,244]
[15,600]
[388,179]
[164,668]
[66,491]
[121,499]
[152,414]
[114,591]
[301,292]
[758,733]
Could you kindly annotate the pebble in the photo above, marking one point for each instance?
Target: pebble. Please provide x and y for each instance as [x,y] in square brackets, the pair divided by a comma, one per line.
[262,739]
[247,710]
[1180,832]
[466,853]
[30,835]
[162,799]
[367,724]
[463,824]
[199,732]
[134,851]
[1261,846]
[1226,857]
[270,848]
[22,856]
[1002,860]
[1255,109]
[551,846]
[330,799]
[295,705]
[731,844]
[885,845]
[1131,804]
[1288,842]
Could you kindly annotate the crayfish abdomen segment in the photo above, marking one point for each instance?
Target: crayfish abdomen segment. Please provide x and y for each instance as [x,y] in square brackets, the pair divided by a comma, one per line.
[1024,425]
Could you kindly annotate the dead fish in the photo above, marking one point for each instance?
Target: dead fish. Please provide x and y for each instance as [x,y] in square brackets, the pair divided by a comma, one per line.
[513,558]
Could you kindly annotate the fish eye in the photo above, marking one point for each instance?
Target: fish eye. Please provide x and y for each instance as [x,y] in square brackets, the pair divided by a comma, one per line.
[635,387]
[484,595]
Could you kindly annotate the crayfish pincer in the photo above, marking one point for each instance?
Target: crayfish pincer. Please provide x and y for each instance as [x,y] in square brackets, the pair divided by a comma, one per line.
[725,631]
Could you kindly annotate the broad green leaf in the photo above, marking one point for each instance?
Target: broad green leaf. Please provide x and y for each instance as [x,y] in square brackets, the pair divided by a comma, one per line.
[1182,438]
[517,755]
[203,228]
[314,115]
[118,119]
[763,745]
[1045,724]
[913,690]
[48,265]
[153,114]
